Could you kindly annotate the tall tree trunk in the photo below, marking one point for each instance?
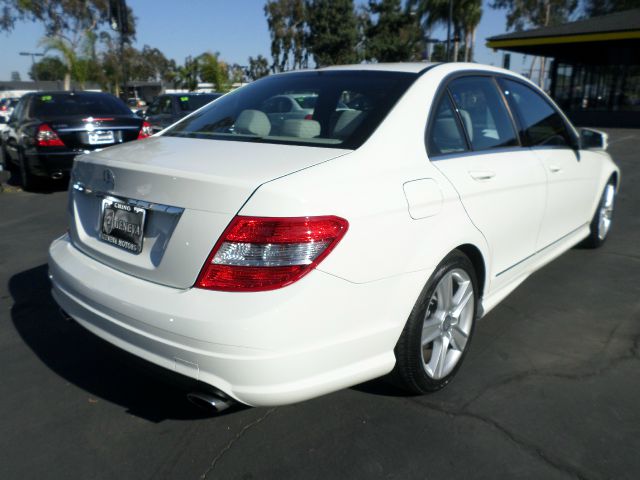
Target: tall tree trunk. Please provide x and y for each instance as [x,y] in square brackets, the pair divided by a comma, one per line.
[467,41]
[472,49]
[456,44]
[543,60]
[67,81]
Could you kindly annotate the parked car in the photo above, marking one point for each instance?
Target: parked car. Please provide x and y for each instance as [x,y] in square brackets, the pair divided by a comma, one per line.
[273,268]
[6,106]
[48,129]
[136,104]
[167,109]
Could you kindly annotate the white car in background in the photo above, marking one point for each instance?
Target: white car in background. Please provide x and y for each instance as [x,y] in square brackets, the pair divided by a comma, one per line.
[273,267]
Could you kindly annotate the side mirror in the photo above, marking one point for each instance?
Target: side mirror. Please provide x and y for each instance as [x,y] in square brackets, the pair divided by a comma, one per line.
[593,139]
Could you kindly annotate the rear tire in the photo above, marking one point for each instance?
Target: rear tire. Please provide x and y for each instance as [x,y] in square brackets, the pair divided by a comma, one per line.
[438,332]
[601,223]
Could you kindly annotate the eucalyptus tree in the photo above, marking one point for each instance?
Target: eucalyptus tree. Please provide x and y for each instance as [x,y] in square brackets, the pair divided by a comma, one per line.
[286,22]
[332,31]
[391,32]
[523,14]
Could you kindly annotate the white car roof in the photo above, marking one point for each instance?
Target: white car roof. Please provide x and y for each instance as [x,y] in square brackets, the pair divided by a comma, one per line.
[417,67]
[411,67]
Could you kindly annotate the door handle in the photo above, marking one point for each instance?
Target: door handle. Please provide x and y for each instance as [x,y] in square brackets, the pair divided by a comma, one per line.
[555,169]
[482,174]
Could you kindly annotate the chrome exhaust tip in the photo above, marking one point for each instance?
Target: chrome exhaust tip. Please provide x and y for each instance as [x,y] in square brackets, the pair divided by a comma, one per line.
[57,175]
[207,401]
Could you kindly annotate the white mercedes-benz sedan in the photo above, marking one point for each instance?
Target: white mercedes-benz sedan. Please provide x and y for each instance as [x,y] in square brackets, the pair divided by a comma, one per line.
[275,261]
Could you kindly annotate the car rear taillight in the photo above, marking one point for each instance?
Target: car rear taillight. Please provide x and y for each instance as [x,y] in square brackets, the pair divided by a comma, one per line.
[145,130]
[46,137]
[265,253]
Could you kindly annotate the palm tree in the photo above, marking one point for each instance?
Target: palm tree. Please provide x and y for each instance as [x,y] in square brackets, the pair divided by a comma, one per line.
[471,15]
[69,57]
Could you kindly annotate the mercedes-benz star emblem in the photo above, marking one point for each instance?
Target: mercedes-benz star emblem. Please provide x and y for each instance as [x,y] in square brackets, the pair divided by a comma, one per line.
[109,179]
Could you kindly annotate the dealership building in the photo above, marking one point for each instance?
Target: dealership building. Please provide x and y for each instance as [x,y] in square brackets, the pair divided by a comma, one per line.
[595,71]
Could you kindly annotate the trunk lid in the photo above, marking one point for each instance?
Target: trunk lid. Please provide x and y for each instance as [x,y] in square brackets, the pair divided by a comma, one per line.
[190,189]
[89,133]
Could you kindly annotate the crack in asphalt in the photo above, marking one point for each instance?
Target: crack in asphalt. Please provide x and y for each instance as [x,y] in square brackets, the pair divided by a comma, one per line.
[630,354]
[520,442]
[238,436]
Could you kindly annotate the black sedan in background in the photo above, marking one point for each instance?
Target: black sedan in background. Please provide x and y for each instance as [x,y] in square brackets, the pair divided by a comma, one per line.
[48,129]
[167,109]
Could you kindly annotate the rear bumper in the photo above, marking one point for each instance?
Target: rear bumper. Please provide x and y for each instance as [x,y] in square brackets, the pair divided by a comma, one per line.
[46,164]
[270,348]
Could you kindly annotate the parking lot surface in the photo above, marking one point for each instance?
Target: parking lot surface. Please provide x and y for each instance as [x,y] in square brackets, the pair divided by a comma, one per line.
[550,388]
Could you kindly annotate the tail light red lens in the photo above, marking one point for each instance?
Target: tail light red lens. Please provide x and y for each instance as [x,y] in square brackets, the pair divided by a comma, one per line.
[145,130]
[46,137]
[266,253]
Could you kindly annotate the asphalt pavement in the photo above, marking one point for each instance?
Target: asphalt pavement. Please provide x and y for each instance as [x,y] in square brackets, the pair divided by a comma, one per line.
[550,388]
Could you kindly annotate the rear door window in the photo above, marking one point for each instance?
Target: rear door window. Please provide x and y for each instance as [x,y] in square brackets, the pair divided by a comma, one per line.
[484,115]
[540,123]
[445,134]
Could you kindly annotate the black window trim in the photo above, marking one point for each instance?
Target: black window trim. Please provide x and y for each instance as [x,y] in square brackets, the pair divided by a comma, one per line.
[520,124]
[444,87]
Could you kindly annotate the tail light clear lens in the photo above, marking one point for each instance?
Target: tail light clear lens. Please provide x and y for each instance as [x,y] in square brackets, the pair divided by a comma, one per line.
[46,137]
[145,130]
[265,253]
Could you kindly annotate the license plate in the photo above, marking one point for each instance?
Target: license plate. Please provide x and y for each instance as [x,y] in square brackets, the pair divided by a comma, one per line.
[101,137]
[122,225]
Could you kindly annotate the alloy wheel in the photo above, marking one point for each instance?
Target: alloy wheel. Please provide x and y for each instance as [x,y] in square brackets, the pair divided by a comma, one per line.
[447,323]
[606,211]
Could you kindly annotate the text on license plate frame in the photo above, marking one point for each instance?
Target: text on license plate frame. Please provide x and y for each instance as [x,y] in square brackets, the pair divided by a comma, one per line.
[118,226]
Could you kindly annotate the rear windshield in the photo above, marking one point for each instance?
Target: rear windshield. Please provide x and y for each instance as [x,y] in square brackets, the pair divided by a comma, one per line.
[189,103]
[71,104]
[320,108]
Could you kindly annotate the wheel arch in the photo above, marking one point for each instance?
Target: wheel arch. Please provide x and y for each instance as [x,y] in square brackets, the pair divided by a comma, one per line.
[477,260]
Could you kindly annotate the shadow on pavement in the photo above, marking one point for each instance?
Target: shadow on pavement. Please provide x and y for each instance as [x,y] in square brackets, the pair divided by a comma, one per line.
[46,186]
[90,363]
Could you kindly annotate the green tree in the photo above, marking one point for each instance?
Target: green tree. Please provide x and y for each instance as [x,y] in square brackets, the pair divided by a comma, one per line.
[15,76]
[286,21]
[523,14]
[67,23]
[48,69]
[237,74]
[213,70]
[394,35]
[258,67]
[332,34]
[594,8]
[469,15]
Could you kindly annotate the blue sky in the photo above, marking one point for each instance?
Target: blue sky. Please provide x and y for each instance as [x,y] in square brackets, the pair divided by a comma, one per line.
[235,28]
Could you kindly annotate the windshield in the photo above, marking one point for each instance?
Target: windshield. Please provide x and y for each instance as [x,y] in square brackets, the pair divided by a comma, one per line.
[320,108]
[71,104]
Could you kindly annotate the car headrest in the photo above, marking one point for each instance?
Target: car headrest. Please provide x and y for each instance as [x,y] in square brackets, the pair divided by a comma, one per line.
[300,128]
[253,122]
[347,122]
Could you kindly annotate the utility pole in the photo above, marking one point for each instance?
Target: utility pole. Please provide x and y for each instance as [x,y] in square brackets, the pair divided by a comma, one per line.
[119,20]
[449,20]
[33,56]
